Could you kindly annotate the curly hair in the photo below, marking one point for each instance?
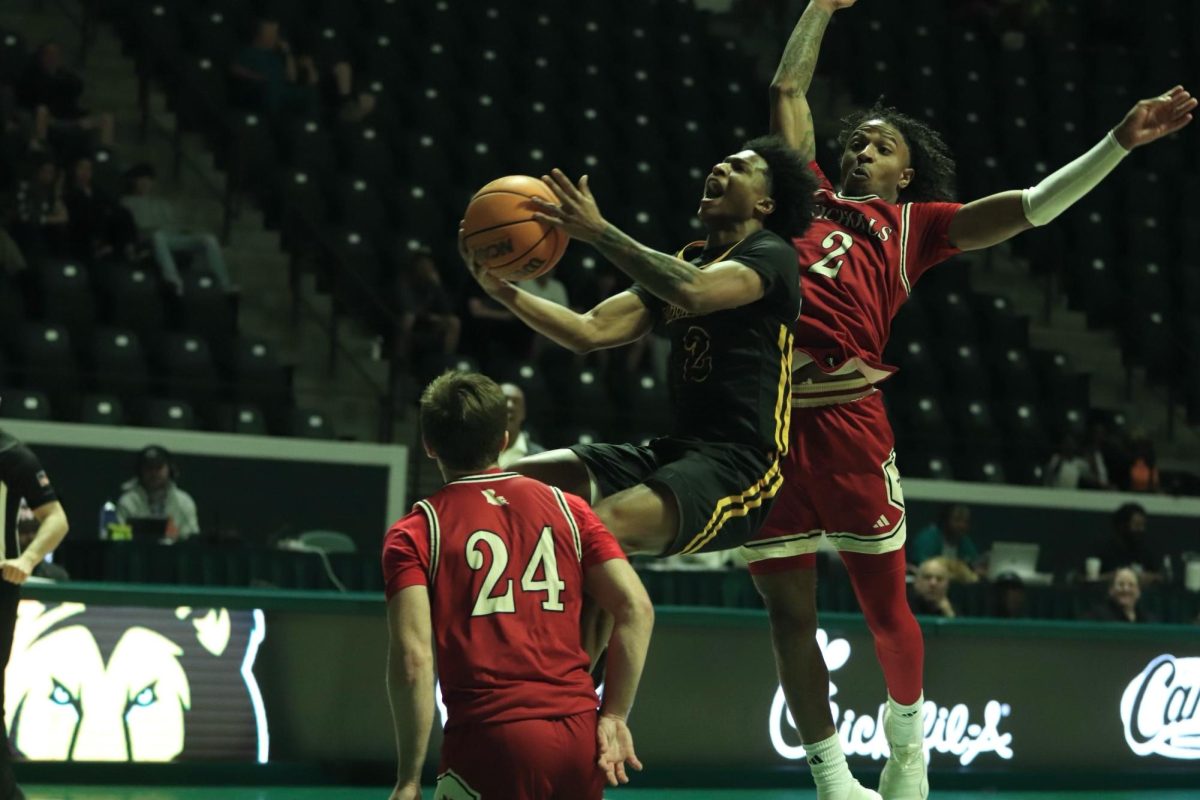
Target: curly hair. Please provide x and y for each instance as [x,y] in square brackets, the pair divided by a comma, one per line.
[791,185]
[931,161]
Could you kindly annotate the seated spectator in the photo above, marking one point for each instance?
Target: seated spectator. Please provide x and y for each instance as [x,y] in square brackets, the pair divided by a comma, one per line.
[270,77]
[428,323]
[99,228]
[1098,451]
[491,332]
[519,442]
[1124,600]
[1069,468]
[1128,546]
[1143,467]
[928,593]
[1009,599]
[950,538]
[52,92]
[159,226]
[27,528]
[40,217]
[154,493]
[549,288]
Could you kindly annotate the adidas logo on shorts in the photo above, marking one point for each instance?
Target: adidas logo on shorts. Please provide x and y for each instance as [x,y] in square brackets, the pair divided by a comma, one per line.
[882,522]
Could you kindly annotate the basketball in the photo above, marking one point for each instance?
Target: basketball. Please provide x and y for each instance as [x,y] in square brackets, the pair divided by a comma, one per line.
[503,237]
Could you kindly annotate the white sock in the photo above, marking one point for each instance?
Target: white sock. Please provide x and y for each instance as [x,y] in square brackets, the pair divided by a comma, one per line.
[828,765]
[906,724]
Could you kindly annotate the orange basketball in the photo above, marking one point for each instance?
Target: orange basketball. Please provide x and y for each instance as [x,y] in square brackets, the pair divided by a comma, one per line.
[502,235]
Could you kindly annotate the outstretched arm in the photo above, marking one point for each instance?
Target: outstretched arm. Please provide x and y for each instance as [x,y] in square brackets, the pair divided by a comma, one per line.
[618,320]
[991,220]
[728,284]
[791,117]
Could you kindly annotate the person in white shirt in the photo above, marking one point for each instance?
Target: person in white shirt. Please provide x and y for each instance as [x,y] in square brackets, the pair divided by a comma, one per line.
[1069,469]
[519,442]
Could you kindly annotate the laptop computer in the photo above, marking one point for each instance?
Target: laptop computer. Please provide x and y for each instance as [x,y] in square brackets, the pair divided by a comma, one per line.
[148,529]
[1017,558]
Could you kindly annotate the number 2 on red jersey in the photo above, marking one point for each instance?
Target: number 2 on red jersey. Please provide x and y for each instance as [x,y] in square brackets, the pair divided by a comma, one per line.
[488,602]
[840,242]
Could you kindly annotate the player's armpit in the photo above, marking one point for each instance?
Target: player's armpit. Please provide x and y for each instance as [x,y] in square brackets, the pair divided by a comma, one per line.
[621,319]
[988,221]
[727,284]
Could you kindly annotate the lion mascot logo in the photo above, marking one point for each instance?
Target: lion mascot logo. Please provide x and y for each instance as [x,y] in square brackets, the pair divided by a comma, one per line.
[134,684]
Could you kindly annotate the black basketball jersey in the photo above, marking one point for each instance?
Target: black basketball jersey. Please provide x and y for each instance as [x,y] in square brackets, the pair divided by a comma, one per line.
[730,372]
[21,476]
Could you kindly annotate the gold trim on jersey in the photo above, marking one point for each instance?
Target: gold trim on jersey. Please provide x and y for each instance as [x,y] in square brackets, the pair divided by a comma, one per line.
[738,505]
[701,243]
[783,411]
[435,539]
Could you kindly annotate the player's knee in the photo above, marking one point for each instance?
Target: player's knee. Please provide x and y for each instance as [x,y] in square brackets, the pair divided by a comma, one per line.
[628,525]
[792,608]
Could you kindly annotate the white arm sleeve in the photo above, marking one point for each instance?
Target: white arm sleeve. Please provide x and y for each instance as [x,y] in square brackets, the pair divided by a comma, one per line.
[1062,189]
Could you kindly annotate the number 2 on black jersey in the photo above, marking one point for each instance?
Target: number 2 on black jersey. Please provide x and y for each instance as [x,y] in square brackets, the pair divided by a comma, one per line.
[487,603]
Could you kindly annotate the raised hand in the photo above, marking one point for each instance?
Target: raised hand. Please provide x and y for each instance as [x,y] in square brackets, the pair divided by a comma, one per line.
[616,749]
[483,276]
[1155,118]
[576,213]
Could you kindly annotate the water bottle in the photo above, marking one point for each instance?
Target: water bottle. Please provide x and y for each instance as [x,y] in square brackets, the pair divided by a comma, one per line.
[108,518]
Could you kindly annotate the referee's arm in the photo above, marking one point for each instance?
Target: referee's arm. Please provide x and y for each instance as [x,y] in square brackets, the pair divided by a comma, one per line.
[52,527]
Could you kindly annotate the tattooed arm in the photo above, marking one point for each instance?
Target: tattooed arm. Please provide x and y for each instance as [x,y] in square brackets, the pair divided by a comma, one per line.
[790,114]
[727,284]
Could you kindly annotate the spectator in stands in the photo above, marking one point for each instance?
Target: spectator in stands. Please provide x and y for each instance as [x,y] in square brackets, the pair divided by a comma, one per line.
[928,594]
[272,78]
[1070,468]
[27,528]
[491,331]
[99,228]
[551,288]
[1143,468]
[40,224]
[950,537]
[1128,546]
[1124,600]
[159,226]
[1009,600]
[153,492]
[1098,452]
[428,323]
[520,444]
[52,92]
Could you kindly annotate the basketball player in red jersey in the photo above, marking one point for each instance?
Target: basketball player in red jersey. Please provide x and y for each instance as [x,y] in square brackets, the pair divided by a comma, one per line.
[497,564]
[870,242]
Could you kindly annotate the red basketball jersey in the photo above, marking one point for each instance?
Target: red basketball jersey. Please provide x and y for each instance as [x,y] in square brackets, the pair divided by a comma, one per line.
[858,263]
[504,557]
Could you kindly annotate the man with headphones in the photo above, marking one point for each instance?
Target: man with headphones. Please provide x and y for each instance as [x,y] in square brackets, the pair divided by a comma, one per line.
[152,492]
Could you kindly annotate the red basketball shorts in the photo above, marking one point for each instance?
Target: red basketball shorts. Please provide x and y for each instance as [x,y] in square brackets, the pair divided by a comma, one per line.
[536,759]
[840,482]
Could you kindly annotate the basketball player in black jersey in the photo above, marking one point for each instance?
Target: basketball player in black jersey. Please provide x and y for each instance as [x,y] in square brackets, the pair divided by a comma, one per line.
[728,305]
